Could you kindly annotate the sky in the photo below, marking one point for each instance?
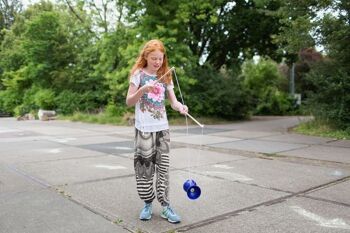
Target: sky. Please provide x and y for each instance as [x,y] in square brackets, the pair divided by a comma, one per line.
[28,2]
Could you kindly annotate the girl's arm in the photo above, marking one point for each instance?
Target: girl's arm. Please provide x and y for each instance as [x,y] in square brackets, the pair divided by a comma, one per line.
[135,93]
[176,105]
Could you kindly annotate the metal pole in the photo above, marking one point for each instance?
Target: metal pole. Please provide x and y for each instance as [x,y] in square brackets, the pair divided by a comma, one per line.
[292,80]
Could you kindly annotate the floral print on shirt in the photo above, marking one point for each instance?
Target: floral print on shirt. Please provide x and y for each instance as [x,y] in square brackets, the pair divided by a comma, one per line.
[153,102]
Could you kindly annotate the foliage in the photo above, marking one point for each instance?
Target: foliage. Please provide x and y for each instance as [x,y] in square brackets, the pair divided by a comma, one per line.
[9,100]
[335,32]
[112,110]
[41,51]
[8,13]
[76,55]
[99,118]
[307,57]
[225,32]
[67,102]
[323,129]
[274,102]
[330,102]
[113,65]
[219,94]
[45,99]
[28,102]
[263,82]
[324,23]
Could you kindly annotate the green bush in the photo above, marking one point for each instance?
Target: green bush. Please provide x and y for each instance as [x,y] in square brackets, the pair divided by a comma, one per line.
[68,102]
[274,102]
[330,102]
[45,99]
[217,95]
[20,110]
[92,101]
[265,84]
[112,110]
[28,103]
[9,100]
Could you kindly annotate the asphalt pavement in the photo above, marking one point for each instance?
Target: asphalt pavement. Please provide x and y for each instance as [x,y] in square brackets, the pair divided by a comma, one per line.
[255,176]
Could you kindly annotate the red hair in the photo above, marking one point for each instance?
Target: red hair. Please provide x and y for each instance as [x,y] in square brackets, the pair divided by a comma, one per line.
[141,62]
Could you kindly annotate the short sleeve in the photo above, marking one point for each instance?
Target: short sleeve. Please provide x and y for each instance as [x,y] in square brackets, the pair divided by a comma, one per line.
[136,78]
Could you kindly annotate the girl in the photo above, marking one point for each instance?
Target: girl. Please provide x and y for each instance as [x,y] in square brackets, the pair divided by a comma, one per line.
[150,78]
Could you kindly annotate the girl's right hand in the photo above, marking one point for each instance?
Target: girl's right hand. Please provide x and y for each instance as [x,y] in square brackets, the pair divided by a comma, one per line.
[148,87]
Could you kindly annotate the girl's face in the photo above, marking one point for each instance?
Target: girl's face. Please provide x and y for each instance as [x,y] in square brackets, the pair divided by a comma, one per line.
[154,61]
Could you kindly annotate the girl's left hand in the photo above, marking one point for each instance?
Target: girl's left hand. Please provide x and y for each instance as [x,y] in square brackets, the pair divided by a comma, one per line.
[183,109]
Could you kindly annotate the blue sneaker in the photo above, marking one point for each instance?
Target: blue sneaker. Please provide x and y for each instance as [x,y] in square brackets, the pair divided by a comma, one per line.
[170,215]
[146,212]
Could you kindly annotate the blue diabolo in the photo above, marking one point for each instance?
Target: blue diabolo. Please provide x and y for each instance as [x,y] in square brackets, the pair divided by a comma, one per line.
[191,188]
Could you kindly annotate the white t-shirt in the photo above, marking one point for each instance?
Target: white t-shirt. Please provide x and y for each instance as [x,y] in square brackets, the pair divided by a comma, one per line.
[150,113]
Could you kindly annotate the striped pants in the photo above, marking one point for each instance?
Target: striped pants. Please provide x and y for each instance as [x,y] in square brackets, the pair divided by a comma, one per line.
[152,156]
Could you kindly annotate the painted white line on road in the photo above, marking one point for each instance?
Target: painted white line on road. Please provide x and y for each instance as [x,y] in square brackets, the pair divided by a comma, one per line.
[223,166]
[122,148]
[331,223]
[337,173]
[4,130]
[55,151]
[110,167]
[63,140]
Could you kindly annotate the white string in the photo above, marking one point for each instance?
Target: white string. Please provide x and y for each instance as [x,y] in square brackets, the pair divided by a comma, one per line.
[183,102]
[202,126]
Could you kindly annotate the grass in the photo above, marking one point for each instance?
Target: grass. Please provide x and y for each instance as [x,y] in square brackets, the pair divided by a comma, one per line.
[118,221]
[100,118]
[318,128]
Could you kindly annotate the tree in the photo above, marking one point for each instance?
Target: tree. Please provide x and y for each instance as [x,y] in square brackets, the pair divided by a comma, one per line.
[101,16]
[41,54]
[323,23]
[299,26]
[307,58]
[227,33]
[8,12]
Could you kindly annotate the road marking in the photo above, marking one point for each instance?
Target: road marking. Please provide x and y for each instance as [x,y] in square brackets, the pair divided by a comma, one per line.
[110,167]
[223,166]
[63,140]
[337,173]
[55,151]
[122,148]
[4,130]
[331,223]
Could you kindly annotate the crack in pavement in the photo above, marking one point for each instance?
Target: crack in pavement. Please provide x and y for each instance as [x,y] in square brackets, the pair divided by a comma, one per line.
[227,215]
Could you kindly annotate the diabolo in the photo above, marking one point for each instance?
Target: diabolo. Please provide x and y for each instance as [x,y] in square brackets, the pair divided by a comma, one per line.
[193,191]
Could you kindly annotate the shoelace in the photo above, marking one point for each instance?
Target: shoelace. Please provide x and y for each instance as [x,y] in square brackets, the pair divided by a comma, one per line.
[147,207]
[169,209]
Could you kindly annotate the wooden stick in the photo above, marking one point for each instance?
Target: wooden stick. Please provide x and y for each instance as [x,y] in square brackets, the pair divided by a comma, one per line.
[194,120]
[157,81]
[172,68]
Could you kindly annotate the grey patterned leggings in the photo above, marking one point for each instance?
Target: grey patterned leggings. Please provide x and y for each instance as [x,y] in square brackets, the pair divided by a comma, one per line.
[152,156]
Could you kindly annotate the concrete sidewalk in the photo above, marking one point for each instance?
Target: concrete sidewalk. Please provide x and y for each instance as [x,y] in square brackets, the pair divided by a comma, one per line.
[255,176]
